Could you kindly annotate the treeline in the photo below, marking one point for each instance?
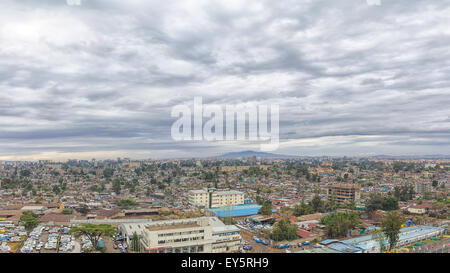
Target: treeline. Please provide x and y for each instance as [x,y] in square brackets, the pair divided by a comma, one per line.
[318,205]
[340,223]
[380,202]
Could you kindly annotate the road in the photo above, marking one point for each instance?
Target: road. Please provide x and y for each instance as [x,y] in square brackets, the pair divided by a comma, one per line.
[76,248]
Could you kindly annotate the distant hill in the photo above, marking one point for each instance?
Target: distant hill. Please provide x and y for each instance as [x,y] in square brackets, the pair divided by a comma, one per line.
[406,157]
[246,154]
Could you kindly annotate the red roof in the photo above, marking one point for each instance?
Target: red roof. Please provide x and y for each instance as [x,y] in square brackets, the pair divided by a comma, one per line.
[56,217]
[422,206]
[303,233]
[293,219]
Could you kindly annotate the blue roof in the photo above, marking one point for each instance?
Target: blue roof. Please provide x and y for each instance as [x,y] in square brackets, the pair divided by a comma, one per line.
[234,211]
[344,248]
[328,241]
[406,233]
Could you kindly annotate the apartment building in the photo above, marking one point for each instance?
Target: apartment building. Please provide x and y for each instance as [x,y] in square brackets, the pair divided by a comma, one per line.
[422,187]
[212,198]
[344,192]
[226,198]
[195,235]
[226,238]
[199,198]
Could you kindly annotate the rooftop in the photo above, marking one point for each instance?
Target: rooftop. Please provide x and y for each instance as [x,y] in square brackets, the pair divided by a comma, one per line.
[345,186]
[173,224]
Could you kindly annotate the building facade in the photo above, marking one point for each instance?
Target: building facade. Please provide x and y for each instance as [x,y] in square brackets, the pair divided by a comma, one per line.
[422,187]
[344,192]
[195,235]
[211,198]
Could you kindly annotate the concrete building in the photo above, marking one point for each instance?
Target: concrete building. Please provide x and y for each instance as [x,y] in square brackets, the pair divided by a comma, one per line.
[344,192]
[226,238]
[419,209]
[226,198]
[422,187]
[195,235]
[199,198]
[212,198]
[407,236]
[35,209]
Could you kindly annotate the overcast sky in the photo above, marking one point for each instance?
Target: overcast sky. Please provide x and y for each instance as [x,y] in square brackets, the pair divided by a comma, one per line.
[100,79]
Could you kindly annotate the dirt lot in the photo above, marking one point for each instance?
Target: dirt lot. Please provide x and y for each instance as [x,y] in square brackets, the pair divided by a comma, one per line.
[109,245]
[15,246]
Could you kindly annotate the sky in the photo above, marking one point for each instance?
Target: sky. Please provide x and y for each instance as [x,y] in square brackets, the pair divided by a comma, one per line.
[99,79]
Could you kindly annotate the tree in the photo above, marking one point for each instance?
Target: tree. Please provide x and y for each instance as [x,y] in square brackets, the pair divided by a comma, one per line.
[391,225]
[66,211]
[126,203]
[375,202]
[338,224]
[389,203]
[317,203]
[93,232]
[135,243]
[303,209]
[56,189]
[404,193]
[116,186]
[266,208]
[379,202]
[29,220]
[83,209]
[229,221]
[25,173]
[380,238]
[108,172]
[284,230]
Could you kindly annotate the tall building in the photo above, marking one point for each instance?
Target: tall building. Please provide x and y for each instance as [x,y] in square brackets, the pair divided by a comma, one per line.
[194,235]
[212,198]
[344,192]
[199,198]
[422,187]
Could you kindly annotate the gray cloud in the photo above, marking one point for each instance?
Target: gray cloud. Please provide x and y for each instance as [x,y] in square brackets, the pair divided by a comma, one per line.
[100,79]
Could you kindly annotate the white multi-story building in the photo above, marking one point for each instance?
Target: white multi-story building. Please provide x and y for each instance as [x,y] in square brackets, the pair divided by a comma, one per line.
[226,238]
[211,198]
[199,198]
[195,235]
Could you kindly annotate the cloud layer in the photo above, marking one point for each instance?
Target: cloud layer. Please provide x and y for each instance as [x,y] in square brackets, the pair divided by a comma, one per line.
[100,79]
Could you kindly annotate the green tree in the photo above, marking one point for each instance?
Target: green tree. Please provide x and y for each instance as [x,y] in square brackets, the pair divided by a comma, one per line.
[116,186]
[56,189]
[25,173]
[93,232]
[67,211]
[317,203]
[390,203]
[126,203]
[380,238]
[379,202]
[284,230]
[303,209]
[266,208]
[391,225]
[83,209]
[229,221]
[338,224]
[108,172]
[135,243]
[29,220]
